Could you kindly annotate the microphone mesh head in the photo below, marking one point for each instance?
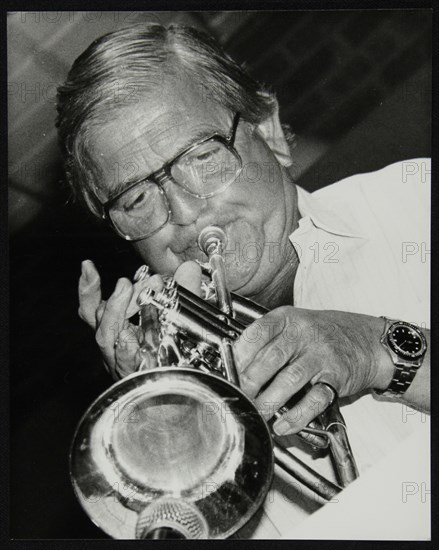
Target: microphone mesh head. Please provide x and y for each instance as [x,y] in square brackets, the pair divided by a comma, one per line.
[174,514]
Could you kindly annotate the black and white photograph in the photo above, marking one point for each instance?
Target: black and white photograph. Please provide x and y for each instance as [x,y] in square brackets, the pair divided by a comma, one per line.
[219,274]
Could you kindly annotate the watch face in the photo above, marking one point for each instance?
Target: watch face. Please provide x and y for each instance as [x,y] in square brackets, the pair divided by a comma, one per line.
[406,341]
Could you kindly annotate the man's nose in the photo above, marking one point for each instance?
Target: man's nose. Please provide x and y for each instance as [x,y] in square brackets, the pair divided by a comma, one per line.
[185,208]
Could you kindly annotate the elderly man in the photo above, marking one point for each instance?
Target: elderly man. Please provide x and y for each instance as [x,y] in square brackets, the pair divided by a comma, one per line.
[163,134]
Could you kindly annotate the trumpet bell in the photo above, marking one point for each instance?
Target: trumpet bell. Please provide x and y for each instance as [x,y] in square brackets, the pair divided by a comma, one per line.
[175,449]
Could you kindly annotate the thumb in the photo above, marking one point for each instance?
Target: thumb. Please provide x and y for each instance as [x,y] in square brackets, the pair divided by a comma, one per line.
[188,274]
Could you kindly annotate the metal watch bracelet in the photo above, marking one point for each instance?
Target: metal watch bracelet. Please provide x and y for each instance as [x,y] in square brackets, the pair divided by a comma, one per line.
[405,369]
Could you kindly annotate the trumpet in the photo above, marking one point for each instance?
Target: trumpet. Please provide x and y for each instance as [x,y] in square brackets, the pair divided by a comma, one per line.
[179,451]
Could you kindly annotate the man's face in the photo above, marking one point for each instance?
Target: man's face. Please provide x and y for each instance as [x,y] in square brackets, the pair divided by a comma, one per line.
[257,212]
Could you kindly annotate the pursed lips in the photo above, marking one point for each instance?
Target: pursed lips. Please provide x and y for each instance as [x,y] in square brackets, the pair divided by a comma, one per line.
[190,250]
[194,253]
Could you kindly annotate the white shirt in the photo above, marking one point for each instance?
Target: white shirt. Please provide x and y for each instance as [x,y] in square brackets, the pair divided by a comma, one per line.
[364,247]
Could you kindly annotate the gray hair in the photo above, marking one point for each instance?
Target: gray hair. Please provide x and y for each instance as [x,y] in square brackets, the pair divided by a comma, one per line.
[137,58]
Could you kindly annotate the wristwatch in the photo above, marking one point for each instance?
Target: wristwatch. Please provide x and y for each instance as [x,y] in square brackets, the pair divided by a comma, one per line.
[407,346]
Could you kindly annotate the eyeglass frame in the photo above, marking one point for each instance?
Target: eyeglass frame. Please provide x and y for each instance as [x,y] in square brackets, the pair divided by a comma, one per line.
[162,175]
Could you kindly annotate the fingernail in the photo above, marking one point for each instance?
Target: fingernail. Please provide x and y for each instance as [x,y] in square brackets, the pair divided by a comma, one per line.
[121,286]
[281,427]
[89,277]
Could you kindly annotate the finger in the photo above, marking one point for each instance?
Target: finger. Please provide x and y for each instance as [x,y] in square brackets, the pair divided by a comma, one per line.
[271,359]
[155,282]
[188,274]
[314,403]
[286,383]
[114,319]
[256,336]
[89,292]
[127,357]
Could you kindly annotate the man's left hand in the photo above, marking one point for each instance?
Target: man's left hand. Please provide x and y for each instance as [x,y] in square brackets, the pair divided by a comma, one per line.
[290,347]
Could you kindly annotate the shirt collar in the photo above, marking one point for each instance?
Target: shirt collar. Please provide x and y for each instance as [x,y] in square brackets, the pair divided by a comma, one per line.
[318,212]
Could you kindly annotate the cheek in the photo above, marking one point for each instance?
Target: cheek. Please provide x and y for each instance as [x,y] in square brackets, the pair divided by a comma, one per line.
[155,252]
[261,176]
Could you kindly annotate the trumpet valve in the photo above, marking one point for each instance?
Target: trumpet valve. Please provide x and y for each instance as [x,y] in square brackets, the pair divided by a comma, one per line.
[141,273]
[146,297]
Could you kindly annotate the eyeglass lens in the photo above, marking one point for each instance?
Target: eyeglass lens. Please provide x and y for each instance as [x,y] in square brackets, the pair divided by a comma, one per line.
[140,210]
[204,171]
[207,169]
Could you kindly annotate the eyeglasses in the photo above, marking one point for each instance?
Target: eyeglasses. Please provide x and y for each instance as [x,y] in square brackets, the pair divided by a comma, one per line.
[203,170]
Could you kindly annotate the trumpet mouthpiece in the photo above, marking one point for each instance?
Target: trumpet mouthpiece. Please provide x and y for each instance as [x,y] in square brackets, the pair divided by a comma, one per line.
[210,238]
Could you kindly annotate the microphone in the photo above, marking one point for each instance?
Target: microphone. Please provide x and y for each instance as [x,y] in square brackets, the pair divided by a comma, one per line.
[170,518]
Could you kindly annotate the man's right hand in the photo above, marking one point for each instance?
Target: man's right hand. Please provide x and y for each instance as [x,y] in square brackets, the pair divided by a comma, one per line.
[117,338]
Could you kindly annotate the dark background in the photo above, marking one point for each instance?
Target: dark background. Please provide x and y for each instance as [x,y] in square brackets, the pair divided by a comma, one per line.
[355,86]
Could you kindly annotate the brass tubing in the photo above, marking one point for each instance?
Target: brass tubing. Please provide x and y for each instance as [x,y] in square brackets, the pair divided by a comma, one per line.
[189,297]
[218,277]
[343,458]
[303,473]
[247,308]
[211,241]
[229,361]
[217,333]
[212,332]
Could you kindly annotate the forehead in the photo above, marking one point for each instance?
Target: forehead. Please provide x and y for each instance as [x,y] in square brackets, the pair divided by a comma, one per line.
[154,129]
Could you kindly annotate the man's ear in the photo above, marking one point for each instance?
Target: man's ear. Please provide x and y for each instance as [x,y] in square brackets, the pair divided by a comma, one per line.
[272,132]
